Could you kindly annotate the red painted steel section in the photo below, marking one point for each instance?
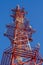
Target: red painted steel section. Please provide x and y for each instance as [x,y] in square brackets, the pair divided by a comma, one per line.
[20,34]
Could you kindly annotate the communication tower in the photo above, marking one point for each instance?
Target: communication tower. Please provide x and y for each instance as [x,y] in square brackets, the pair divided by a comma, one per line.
[20,34]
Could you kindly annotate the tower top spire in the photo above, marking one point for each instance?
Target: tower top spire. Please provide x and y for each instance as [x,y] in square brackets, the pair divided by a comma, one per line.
[18,7]
[18,12]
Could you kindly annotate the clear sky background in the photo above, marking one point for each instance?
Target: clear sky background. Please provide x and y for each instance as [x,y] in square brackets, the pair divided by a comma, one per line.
[35,15]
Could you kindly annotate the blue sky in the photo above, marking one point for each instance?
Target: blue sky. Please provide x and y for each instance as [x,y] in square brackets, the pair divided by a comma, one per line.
[35,15]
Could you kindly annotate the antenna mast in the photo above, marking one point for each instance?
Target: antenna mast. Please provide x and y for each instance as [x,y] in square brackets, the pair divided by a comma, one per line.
[20,34]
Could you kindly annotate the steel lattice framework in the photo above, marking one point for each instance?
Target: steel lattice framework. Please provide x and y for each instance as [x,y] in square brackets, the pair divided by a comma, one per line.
[20,34]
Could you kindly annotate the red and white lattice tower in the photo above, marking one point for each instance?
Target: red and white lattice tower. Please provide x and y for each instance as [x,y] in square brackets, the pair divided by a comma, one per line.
[20,34]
